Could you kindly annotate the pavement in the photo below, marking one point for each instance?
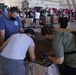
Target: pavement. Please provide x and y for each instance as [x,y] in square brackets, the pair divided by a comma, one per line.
[72,25]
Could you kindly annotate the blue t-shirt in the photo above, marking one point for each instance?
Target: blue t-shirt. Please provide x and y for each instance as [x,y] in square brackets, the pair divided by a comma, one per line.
[10,27]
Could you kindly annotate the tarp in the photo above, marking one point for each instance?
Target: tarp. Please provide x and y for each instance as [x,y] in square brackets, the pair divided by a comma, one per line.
[36,69]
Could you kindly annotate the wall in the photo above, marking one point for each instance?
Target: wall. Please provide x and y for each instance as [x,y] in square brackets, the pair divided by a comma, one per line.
[12,2]
[68,3]
[44,3]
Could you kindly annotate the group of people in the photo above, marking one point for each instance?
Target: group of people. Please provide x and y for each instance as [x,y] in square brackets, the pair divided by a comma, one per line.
[15,42]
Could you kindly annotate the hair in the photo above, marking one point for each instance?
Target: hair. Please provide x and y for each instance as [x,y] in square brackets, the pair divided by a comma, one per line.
[47,30]
[30,31]
[14,9]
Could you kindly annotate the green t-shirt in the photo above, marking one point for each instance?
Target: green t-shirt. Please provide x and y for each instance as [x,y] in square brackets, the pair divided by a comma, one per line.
[65,42]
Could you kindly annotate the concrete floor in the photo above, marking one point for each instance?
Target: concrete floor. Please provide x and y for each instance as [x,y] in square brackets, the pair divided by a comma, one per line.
[72,25]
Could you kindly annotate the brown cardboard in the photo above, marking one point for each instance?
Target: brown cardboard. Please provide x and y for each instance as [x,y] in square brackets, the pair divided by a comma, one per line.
[45,20]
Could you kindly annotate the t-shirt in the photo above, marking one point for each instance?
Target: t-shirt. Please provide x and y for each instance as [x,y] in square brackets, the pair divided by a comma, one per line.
[37,15]
[17,46]
[31,14]
[65,42]
[10,27]
[63,22]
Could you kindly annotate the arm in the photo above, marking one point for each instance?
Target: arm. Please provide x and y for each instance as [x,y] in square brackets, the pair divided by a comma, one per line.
[59,22]
[56,60]
[3,45]
[50,53]
[2,36]
[68,25]
[21,30]
[53,59]
[34,14]
[58,49]
[32,53]
[20,25]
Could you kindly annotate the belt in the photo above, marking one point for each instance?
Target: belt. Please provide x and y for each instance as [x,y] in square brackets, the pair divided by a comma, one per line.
[72,52]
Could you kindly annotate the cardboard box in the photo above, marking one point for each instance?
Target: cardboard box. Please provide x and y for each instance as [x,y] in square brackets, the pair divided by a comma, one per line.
[55,19]
[51,19]
[45,20]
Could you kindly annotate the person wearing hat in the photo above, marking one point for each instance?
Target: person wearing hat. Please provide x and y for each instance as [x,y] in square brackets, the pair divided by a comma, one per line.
[10,24]
[64,48]
[13,53]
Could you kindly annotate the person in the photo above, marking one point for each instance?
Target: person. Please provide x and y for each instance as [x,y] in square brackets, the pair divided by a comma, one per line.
[37,18]
[22,15]
[63,21]
[64,48]
[10,24]
[0,12]
[13,52]
[4,12]
[31,16]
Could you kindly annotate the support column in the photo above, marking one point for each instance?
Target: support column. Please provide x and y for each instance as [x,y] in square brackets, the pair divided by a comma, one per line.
[74,3]
[68,3]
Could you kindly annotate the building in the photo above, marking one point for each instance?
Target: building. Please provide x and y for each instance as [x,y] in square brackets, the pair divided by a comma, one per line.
[50,3]
[40,3]
[10,3]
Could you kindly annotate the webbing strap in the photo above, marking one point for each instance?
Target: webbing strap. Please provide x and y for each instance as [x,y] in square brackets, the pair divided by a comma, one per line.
[72,52]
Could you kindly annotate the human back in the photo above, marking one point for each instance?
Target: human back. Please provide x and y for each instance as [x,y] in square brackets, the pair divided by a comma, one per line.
[17,46]
[13,52]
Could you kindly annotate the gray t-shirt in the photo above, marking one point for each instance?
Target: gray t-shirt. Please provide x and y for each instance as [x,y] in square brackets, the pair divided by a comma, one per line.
[65,42]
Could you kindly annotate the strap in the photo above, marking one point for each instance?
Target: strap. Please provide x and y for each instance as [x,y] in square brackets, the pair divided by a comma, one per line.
[72,52]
